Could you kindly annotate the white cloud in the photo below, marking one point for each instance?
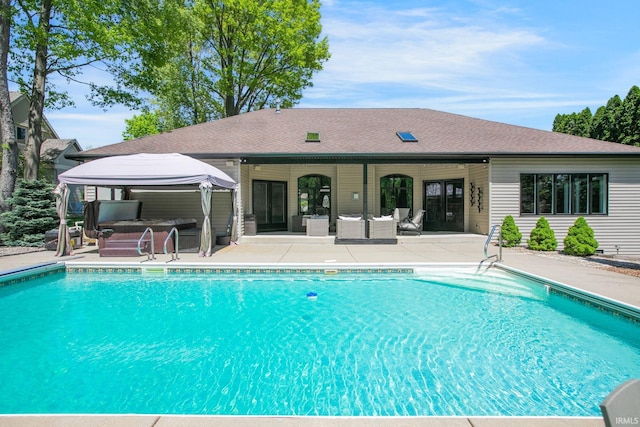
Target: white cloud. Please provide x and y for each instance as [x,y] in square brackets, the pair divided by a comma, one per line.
[91,127]
[428,57]
[89,117]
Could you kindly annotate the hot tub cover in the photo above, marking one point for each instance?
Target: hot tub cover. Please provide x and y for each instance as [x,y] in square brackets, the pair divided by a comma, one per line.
[146,170]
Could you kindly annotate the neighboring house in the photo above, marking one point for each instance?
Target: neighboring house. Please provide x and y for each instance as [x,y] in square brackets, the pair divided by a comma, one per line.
[466,173]
[20,111]
[52,151]
[53,162]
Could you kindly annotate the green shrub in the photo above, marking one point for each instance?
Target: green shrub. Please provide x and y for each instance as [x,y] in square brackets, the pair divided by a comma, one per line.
[542,237]
[580,240]
[32,213]
[511,235]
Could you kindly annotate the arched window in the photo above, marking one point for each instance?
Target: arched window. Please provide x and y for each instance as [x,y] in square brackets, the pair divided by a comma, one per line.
[396,191]
[314,195]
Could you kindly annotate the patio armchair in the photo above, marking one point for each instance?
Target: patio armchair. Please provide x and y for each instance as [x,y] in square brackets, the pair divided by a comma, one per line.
[399,214]
[382,228]
[348,227]
[413,225]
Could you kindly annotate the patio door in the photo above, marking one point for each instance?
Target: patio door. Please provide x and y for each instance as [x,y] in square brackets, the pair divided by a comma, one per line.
[444,205]
[270,205]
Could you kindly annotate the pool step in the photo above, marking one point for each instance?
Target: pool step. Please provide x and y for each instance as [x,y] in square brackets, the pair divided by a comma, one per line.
[124,247]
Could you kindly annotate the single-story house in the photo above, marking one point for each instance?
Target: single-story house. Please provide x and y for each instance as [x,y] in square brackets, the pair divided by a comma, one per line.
[467,174]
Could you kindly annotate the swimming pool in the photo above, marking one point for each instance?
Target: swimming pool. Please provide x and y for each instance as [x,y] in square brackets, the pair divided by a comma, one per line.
[432,342]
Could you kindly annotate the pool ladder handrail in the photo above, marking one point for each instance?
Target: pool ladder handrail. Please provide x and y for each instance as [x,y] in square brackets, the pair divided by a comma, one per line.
[175,245]
[153,254]
[489,238]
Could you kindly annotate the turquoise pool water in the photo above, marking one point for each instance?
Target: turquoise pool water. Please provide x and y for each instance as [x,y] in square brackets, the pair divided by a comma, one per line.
[433,343]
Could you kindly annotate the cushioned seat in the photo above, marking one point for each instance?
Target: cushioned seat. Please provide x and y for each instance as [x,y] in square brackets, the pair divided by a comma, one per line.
[413,225]
[318,226]
[350,228]
[382,228]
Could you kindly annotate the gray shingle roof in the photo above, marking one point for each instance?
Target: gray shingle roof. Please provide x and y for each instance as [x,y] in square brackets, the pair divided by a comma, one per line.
[52,148]
[354,132]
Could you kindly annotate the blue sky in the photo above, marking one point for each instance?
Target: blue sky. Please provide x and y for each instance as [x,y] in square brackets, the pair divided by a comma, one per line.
[514,61]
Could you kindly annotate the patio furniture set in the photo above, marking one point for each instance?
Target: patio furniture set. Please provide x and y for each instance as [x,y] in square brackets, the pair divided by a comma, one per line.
[354,228]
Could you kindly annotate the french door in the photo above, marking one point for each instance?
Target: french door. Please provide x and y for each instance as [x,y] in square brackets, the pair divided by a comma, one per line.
[444,205]
[270,205]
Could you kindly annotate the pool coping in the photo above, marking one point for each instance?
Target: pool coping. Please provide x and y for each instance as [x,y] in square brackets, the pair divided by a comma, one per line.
[589,298]
[154,420]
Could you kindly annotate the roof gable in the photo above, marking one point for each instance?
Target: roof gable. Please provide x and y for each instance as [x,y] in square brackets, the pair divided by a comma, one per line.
[51,148]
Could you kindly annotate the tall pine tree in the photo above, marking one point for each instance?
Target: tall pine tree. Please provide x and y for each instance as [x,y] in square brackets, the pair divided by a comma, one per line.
[618,121]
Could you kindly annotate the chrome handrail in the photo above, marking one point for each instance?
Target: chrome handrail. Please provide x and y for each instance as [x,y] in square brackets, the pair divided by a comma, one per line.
[153,254]
[486,244]
[175,245]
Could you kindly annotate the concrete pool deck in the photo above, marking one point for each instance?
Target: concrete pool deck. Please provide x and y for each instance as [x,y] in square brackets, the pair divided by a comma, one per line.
[303,250]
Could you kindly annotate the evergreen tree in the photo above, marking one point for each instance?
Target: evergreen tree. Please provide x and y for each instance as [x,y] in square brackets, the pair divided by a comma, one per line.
[542,237]
[511,235]
[629,119]
[618,121]
[33,213]
[580,240]
[605,125]
[574,124]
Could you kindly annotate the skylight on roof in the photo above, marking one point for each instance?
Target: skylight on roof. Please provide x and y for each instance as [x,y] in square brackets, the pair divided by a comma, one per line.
[406,137]
[313,137]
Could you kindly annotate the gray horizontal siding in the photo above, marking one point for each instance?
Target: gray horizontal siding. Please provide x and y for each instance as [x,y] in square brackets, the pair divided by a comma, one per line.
[621,227]
[185,204]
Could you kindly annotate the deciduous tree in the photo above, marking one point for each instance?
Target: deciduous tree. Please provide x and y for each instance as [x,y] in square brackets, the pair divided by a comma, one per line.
[9,170]
[238,56]
[64,37]
[143,124]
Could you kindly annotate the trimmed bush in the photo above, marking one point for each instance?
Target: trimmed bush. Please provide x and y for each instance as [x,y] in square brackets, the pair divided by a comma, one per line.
[32,213]
[511,235]
[580,240]
[542,237]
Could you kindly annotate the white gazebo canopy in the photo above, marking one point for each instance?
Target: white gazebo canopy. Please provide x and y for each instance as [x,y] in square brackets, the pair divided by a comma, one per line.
[146,170]
[143,170]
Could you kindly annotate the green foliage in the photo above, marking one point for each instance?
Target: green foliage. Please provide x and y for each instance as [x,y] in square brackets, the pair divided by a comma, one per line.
[237,56]
[146,123]
[630,118]
[542,237]
[580,240]
[511,235]
[33,213]
[574,124]
[618,121]
[73,35]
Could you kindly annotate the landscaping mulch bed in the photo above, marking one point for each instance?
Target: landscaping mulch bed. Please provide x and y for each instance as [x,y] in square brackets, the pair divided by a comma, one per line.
[617,263]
